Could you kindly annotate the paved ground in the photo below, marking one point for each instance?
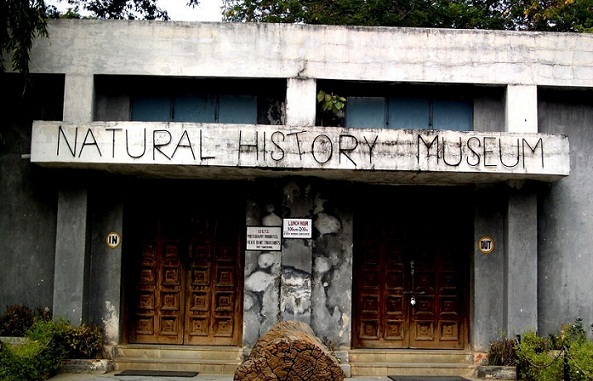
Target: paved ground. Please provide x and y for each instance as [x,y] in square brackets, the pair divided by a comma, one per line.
[200,377]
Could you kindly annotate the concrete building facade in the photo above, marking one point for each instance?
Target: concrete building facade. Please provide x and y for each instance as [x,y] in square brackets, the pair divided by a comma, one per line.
[179,184]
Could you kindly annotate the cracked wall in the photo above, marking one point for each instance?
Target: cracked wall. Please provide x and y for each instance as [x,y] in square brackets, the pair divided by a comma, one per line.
[308,280]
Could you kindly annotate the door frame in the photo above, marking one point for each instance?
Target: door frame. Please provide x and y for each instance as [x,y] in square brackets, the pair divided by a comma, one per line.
[376,198]
[184,192]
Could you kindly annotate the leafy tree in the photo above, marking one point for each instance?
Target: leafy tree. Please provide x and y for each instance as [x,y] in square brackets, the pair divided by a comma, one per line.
[121,9]
[547,15]
[21,21]
[557,15]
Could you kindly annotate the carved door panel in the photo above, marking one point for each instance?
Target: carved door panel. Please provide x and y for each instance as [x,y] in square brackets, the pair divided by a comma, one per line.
[160,288]
[409,278]
[187,290]
[214,293]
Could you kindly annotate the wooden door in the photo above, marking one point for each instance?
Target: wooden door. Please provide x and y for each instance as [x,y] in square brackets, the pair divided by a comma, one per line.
[411,273]
[184,282]
[214,282]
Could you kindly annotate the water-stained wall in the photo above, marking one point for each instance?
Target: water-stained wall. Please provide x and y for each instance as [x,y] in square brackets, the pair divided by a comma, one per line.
[307,279]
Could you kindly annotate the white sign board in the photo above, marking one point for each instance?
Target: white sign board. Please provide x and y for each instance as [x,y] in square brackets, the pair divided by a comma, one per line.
[297,228]
[263,238]
[468,154]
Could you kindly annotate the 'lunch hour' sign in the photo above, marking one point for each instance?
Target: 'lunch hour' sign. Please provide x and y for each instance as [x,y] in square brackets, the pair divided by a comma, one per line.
[297,228]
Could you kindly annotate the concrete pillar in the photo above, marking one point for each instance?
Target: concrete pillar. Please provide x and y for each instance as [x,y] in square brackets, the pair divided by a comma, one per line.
[71,263]
[79,96]
[301,102]
[488,292]
[71,274]
[106,263]
[520,312]
[297,257]
[521,108]
[521,263]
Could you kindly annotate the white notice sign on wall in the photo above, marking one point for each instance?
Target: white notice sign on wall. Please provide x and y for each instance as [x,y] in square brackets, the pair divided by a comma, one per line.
[263,238]
[297,228]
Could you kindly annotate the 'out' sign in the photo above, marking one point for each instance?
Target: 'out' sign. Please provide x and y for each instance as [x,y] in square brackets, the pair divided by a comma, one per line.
[486,245]
[113,240]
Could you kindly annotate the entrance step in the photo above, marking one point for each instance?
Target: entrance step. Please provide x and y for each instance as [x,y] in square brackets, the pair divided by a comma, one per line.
[375,362]
[212,360]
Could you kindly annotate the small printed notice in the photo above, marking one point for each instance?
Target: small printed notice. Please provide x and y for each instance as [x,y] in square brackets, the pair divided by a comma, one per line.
[297,228]
[263,238]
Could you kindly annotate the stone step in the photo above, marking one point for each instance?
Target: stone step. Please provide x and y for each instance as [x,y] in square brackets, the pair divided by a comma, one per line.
[215,360]
[412,369]
[410,356]
[371,362]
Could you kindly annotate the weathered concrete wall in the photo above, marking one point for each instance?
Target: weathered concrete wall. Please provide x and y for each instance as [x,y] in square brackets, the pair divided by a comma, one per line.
[292,51]
[27,233]
[565,211]
[261,298]
[309,280]
[331,298]
[28,195]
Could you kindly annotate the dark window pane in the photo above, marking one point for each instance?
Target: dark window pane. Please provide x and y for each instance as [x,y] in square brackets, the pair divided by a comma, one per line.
[238,109]
[452,115]
[365,112]
[151,109]
[409,113]
[195,108]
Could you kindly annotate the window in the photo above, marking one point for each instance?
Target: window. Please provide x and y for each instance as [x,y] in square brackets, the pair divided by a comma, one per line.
[409,113]
[199,108]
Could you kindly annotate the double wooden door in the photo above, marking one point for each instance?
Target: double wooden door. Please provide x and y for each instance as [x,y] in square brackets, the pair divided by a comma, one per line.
[411,271]
[184,279]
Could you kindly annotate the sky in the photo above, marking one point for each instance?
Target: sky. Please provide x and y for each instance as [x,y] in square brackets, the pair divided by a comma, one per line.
[209,10]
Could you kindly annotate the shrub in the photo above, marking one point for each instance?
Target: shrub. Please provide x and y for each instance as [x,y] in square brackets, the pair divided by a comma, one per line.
[18,365]
[49,342]
[502,352]
[549,358]
[85,342]
[16,319]
[536,363]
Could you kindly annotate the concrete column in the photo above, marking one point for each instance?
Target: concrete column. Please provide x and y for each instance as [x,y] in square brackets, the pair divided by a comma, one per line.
[297,257]
[79,95]
[521,263]
[301,102]
[520,312]
[521,108]
[71,262]
[71,273]
[489,290]
[106,263]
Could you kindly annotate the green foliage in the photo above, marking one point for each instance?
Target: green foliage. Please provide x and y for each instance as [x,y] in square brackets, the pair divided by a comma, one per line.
[18,365]
[543,358]
[20,23]
[331,102]
[557,15]
[16,319]
[548,15]
[48,343]
[536,362]
[84,342]
[121,9]
[502,352]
